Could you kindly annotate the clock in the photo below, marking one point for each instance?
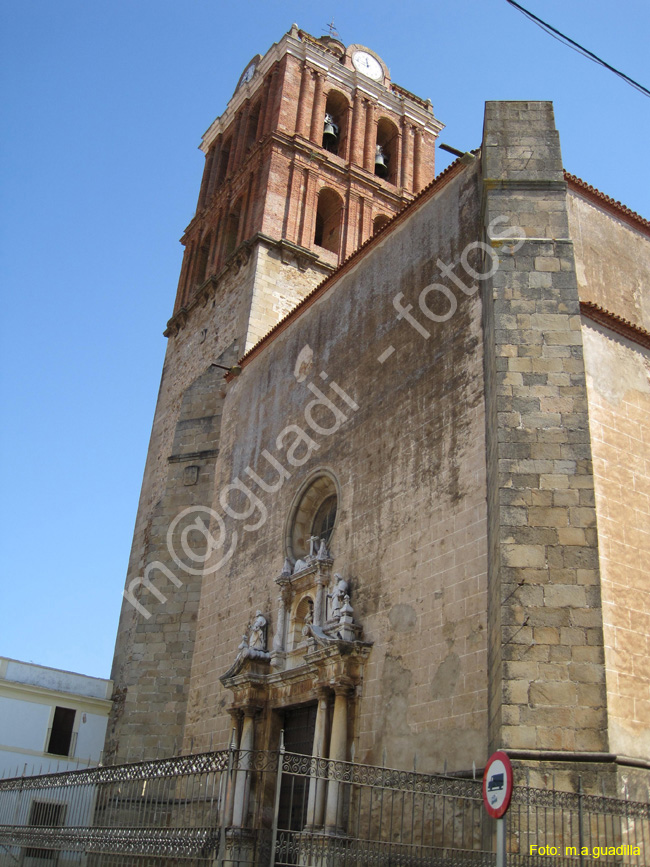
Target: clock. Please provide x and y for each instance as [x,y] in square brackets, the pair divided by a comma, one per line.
[368,65]
[248,73]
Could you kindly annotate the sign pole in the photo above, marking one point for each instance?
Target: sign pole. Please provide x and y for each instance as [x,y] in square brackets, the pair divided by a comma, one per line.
[501,842]
[497,791]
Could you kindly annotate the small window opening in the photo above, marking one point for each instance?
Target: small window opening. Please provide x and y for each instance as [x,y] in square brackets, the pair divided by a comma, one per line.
[61,733]
[45,814]
[313,519]
[328,220]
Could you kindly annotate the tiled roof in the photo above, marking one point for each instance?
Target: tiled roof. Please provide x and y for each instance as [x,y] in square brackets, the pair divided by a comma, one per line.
[589,308]
[610,204]
[616,323]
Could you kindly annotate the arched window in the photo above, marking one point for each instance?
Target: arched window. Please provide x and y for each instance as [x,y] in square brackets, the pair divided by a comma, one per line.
[313,518]
[251,128]
[386,150]
[379,223]
[203,257]
[224,158]
[335,130]
[328,220]
[232,229]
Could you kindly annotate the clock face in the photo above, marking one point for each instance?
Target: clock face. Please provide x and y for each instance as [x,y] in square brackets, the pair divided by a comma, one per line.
[248,74]
[367,65]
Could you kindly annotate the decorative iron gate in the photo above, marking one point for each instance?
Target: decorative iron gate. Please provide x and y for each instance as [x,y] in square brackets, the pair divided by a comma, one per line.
[222,808]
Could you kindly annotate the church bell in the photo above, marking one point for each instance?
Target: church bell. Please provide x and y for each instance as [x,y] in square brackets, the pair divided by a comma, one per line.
[381,162]
[330,134]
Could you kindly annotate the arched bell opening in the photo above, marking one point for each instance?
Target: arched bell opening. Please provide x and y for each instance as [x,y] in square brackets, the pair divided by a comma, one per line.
[328,220]
[224,159]
[379,223]
[335,131]
[232,229]
[386,150]
[251,127]
[202,262]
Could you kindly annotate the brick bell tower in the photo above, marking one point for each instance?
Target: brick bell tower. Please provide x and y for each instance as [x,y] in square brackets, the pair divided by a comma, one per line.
[316,150]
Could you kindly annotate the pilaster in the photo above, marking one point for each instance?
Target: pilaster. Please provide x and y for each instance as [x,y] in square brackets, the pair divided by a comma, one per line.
[318,111]
[546,662]
[370,139]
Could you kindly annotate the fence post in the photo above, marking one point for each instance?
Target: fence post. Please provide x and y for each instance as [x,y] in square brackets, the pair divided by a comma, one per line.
[276,805]
[580,828]
[226,817]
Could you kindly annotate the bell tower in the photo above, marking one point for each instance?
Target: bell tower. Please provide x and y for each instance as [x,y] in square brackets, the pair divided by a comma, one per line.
[316,150]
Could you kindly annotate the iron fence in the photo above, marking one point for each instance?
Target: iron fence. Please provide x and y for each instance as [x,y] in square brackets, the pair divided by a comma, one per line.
[573,829]
[164,809]
[275,809]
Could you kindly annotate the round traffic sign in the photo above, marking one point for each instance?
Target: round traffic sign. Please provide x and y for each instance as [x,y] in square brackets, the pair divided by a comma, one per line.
[497,784]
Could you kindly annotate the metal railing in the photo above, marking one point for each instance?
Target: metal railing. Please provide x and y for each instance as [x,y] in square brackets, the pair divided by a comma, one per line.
[573,822]
[275,809]
[340,813]
[168,808]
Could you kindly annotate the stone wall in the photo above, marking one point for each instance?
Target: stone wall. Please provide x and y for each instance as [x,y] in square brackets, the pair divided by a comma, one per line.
[613,263]
[546,644]
[215,329]
[410,532]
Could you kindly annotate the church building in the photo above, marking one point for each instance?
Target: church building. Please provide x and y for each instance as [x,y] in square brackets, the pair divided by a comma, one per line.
[396,504]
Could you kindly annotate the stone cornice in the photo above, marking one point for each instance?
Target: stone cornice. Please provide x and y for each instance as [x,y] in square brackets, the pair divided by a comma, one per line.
[393,97]
[237,260]
[205,455]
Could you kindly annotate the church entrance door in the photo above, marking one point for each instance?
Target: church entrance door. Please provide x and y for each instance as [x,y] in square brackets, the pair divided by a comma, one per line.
[299,728]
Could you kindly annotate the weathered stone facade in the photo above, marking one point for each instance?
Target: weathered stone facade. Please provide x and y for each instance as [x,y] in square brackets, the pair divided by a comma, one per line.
[428,480]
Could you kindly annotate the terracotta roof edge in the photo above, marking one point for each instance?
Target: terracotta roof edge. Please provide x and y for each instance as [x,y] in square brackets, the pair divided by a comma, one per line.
[610,204]
[616,323]
[437,183]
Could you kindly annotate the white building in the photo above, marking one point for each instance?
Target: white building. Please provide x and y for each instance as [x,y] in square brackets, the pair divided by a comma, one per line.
[50,719]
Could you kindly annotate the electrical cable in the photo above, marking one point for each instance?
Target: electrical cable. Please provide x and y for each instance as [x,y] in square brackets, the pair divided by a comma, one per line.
[565,40]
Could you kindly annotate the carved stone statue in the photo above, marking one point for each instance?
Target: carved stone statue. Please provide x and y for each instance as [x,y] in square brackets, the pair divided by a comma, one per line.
[308,621]
[252,646]
[257,633]
[337,596]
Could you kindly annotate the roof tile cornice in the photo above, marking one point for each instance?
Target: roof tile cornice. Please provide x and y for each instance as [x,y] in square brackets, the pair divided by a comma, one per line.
[616,323]
[606,202]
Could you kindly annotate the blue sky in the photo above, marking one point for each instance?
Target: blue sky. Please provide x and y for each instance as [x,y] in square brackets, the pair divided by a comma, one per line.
[103,106]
